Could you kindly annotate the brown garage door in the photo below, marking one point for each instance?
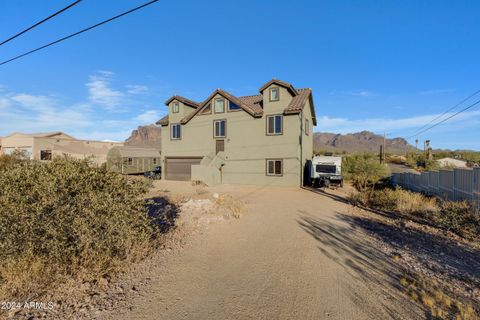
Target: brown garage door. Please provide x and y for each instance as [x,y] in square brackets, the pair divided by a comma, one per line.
[180,168]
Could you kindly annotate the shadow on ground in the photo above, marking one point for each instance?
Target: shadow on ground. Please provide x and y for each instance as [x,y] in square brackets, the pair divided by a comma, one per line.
[363,257]
[162,213]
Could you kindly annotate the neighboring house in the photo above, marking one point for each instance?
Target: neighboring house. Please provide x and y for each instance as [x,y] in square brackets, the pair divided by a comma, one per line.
[263,139]
[452,162]
[45,146]
[132,160]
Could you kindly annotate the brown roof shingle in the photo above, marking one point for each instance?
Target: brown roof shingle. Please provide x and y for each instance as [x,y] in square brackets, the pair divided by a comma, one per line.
[183,100]
[163,121]
[281,83]
[251,104]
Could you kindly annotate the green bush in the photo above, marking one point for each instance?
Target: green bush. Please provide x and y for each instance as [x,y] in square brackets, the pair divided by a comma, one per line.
[364,171]
[67,218]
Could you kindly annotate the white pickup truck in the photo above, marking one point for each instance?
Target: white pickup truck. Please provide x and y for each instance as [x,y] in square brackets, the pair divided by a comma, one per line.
[327,171]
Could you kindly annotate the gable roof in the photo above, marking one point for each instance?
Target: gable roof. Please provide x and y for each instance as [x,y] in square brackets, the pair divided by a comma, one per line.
[163,121]
[253,105]
[280,83]
[249,108]
[183,100]
[298,103]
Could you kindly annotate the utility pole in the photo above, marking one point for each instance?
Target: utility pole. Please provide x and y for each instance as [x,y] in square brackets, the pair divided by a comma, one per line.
[416,144]
[381,154]
[384,147]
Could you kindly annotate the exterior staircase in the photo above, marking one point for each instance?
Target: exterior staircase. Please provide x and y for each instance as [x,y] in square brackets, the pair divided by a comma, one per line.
[209,171]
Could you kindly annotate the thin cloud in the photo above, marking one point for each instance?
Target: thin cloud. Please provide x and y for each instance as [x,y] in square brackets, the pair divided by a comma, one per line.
[23,112]
[436,91]
[101,91]
[362,93]
[405,125]
[148,117]
[136,89]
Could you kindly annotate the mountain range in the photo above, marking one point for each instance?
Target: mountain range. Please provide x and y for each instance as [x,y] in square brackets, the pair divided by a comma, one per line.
[364,141]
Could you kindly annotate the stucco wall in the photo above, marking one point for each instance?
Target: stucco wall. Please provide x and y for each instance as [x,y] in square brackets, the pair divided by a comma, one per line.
[60,145]
[246,146]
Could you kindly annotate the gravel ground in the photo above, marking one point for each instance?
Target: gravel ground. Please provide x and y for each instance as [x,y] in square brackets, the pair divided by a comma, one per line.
[277,253]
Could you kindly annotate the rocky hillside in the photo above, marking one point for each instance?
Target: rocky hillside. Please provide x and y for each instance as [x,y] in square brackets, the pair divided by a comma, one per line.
[146,136]
[364,141]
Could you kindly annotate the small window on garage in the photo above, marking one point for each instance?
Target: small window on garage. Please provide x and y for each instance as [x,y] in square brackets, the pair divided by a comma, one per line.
[45,155]
[175,132]
[130,161]
[154,160]
[274,167]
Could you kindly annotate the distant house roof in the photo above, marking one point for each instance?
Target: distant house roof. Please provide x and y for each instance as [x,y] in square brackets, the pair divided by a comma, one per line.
[254,104]
[132,152]
[42,134]
[444,162]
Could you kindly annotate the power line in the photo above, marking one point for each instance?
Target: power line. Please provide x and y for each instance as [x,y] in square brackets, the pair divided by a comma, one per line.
[448,118]
[450,109]
[78,32]
[40,22]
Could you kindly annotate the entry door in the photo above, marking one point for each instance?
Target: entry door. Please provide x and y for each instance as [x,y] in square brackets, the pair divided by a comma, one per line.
[220,146]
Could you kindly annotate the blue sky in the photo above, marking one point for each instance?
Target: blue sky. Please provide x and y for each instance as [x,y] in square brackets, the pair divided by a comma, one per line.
[373,65]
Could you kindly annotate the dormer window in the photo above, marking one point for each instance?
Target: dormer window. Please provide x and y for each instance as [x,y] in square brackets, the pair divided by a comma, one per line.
[274,94]
[175,107]
[207,109]
[219,105]
[233,107]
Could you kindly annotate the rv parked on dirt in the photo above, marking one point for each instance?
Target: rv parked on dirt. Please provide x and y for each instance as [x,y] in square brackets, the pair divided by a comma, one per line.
[327,171]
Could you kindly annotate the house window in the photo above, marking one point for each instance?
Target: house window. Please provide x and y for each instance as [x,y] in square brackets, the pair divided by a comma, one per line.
[130,161]
[175,132]
[219,128]
[219,105]
[274,167]
[207,109]
[176,107]
[274,94]
[45,155]
[233,106]
[274,125]
[154,160]
[307,127]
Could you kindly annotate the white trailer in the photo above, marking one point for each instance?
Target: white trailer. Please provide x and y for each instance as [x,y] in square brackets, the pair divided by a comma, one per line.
[327,171]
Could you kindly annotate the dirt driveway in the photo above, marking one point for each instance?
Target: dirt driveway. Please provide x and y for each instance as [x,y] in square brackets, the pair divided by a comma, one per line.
[294,254]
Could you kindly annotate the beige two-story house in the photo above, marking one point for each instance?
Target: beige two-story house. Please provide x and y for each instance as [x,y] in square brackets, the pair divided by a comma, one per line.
[263,139]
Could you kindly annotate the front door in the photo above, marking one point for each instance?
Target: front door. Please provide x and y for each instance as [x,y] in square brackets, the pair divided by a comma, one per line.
[220,146]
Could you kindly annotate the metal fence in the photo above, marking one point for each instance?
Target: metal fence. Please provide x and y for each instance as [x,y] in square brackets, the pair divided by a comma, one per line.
[454,185]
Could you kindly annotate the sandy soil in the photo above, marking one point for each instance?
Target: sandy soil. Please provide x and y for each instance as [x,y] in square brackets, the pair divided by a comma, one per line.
[293,254]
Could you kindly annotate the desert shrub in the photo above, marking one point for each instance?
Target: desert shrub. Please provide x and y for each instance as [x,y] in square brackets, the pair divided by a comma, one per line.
[8,160]
[67,218]
[403,201]
[419,161]
[440,303]
[458,217]
[364,171]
